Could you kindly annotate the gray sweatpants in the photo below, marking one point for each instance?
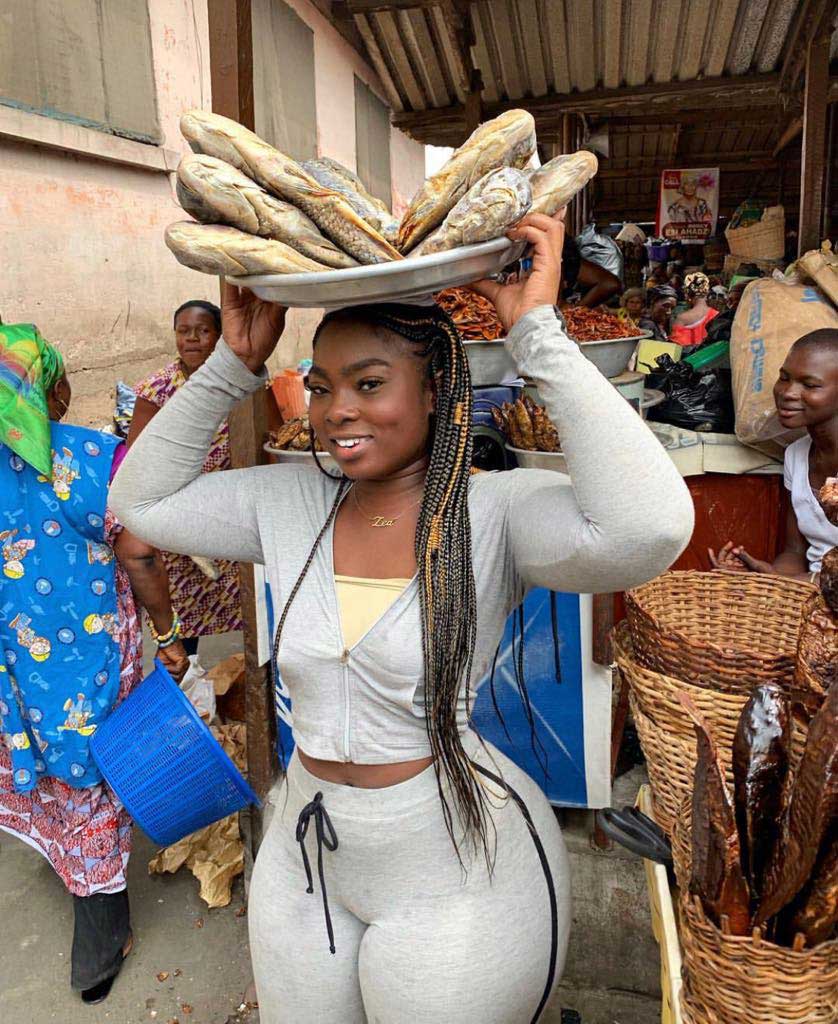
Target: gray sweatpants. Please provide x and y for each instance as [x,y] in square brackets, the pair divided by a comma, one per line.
[417,940]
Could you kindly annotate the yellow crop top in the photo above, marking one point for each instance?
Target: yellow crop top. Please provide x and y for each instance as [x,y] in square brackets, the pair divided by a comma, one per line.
[362,602]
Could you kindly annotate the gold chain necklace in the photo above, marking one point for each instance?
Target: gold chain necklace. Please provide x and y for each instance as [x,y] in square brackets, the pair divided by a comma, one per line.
[382,521]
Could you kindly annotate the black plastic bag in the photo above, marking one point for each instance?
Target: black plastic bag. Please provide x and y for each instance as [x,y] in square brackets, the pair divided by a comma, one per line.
[699,400]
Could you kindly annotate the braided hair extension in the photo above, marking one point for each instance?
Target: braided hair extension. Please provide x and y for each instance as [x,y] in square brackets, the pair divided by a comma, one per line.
[443,552]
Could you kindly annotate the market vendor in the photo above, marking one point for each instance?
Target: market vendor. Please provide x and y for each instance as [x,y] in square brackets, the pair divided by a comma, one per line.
[595,284]
[632,305]
[443,890]
[205,604]
[658,316]
[806,396]
[61,672]
[690,327]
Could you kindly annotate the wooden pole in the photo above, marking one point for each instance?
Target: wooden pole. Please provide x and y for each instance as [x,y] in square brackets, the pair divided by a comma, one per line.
[814,144]
[231,73]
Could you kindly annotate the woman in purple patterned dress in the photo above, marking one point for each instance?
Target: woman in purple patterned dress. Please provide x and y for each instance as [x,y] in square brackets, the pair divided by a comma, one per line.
[205,605]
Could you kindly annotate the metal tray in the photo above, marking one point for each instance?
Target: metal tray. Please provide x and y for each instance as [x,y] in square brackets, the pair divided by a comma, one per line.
[416,277]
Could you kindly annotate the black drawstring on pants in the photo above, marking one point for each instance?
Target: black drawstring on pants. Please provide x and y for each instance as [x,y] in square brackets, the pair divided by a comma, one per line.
[326,836]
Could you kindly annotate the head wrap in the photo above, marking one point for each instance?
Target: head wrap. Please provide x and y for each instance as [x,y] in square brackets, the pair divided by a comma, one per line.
[29,368]
[696,284]
[663,292]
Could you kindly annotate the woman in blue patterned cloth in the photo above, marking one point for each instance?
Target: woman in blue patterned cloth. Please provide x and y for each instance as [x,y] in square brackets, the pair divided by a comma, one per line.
[70,645]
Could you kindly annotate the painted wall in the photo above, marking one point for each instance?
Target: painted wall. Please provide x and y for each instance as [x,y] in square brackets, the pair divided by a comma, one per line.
[335,65]
[83,213]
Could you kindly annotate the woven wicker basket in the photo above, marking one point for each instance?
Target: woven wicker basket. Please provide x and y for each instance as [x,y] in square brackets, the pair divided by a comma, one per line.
[666,732]
[735,979]
[670,762]
[727,631]
[764,240]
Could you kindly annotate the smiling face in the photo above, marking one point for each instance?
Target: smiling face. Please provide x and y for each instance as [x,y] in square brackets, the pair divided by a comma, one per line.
[371,400]
[196,335]
[806,392]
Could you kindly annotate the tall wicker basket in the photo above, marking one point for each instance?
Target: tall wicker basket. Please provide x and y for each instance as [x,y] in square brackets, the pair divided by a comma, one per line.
[736,979]
[666,731]
[726,631]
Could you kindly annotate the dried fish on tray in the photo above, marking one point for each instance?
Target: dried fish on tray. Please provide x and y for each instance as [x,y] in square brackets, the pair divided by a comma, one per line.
[335,176]
[214,192]
[218,136]
[505,141]
[217,249]
[555,183]
[489,208]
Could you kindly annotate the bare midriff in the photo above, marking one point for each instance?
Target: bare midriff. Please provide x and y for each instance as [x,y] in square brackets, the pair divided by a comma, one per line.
[364,776]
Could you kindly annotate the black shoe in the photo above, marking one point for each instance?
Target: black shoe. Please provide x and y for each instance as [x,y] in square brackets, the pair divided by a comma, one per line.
[99,993]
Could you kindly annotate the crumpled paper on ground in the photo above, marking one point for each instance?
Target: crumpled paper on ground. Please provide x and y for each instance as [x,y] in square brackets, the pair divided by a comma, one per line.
[215,854]
[227,678]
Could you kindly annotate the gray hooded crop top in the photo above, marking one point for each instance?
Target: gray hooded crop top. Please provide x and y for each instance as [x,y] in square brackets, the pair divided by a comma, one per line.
[625,518]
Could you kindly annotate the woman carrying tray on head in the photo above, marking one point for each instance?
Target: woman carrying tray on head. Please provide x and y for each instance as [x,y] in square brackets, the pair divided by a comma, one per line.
[442,886]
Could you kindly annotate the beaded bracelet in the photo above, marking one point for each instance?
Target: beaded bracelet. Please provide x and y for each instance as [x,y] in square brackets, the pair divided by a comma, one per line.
[167,639]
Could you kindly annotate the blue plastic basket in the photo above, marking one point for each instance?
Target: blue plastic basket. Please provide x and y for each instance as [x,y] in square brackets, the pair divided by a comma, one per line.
[165,765]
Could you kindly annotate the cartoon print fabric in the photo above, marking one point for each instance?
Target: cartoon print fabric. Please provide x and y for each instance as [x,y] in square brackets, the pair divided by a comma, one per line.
[59,653]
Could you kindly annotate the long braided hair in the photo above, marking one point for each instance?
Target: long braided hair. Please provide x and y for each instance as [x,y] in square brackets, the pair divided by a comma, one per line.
[443,551]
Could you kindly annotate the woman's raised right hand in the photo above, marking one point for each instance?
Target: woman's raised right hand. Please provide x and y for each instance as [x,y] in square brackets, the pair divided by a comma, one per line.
[250,326]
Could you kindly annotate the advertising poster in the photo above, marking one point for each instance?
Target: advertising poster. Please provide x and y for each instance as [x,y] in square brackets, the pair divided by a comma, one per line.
[688,204]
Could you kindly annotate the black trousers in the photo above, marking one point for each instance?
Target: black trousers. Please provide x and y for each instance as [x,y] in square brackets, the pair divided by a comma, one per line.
[101,929]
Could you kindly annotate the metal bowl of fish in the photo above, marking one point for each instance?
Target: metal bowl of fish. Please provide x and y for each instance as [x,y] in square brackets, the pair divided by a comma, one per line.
[611,357]
[415,277]
[301,458]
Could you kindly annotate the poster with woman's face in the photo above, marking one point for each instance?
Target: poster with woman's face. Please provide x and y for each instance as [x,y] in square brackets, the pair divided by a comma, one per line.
[688,205]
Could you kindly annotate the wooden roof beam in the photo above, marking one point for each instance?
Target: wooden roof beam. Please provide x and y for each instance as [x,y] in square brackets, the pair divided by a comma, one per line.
[456,15]
[377,6]
[640,101]
[762,162]
[815,19]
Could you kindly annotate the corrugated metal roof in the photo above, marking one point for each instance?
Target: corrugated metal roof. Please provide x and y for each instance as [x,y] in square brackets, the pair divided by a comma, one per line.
[531,48]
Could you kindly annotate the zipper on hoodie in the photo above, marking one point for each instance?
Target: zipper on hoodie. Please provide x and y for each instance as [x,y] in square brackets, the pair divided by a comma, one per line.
[344,659]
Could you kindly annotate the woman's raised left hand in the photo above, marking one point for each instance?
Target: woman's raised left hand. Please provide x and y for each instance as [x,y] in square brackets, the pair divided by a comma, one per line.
[541,286]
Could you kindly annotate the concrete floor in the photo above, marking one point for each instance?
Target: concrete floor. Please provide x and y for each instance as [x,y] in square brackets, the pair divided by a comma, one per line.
[611,977]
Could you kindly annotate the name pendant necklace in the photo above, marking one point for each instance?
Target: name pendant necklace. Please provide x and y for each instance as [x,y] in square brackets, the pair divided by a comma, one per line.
[381,522]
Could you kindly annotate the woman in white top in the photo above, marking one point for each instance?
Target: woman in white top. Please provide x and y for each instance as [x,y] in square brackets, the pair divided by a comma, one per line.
[806,395]
[411,873]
